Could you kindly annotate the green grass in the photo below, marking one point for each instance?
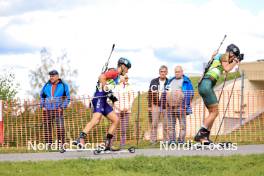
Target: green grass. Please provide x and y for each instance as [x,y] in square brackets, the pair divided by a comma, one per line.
[140,166]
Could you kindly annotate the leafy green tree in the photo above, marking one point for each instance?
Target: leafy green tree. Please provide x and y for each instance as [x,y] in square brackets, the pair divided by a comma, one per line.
[8,88]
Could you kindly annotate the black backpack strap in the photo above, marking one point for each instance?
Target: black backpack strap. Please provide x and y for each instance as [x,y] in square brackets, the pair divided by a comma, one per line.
[64,91]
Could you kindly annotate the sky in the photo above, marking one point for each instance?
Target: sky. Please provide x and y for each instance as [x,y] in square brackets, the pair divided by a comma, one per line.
[148,32]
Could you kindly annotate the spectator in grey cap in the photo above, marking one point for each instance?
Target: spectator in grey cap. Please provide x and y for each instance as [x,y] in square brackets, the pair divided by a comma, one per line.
[55,97]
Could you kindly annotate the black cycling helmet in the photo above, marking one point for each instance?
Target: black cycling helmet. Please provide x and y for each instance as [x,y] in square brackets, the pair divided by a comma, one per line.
[234,49]
[124,61]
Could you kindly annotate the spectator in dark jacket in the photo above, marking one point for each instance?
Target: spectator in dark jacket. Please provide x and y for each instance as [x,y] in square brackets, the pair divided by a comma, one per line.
[55,96]
[157,101]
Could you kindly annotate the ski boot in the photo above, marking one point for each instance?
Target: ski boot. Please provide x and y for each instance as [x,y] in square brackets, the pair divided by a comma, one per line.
[203,136]
[80,141]
[108,142]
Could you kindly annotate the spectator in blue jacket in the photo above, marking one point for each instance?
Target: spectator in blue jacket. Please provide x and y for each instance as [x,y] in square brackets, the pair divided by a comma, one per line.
[179,95]
[55,96]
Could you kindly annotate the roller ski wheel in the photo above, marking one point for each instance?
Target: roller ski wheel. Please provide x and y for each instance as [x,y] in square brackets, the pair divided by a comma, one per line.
[97,152]
[132,150]
[62,150]
[225,144]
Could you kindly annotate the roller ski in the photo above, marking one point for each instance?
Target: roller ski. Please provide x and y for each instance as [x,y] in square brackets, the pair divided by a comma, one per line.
[104,150]
[107,149]
[62,150]
[211,146]
[79,143]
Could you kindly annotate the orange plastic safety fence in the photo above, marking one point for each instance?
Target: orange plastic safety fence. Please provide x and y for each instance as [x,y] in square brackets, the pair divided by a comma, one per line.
[25,122]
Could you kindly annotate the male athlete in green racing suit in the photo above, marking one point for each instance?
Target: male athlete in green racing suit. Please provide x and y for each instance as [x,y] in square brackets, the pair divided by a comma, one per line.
[221,62]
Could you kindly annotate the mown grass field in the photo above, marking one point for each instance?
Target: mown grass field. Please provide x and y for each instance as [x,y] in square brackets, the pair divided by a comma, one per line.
[250,165]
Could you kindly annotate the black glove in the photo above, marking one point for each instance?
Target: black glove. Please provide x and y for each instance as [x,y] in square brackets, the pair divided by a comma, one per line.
[112,97]
[240,57]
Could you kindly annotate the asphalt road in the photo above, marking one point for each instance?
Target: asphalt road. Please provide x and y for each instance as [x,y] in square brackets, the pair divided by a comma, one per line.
[241,150]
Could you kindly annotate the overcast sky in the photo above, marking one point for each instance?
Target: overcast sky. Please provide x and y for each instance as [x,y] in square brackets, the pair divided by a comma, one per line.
[148,32]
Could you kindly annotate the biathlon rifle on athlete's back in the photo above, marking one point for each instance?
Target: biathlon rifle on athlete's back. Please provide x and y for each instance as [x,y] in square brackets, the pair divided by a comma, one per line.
[104,69]
[211,60]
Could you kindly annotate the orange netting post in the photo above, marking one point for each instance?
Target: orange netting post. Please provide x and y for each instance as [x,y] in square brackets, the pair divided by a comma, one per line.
[1,124]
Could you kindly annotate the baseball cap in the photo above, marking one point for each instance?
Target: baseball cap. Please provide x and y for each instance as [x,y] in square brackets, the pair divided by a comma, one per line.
[53,72]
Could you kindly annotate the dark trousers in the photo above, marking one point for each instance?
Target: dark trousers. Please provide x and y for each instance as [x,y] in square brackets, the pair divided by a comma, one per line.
[49,116]
[175,113]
